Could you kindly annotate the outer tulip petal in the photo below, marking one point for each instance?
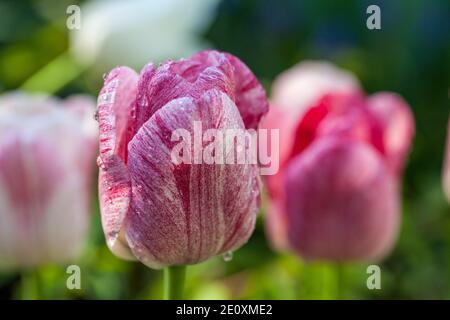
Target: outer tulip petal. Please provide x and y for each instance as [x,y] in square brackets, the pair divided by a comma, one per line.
[397,123]
[276,118]
[116,116]
[276,223]
[275,219]
[333,202]
[185,213]
[116,112]
[250,96]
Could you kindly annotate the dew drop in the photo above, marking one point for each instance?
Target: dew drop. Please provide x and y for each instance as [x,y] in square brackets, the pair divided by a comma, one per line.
[143,103]
[107,98]
[105,75]
[113,234]
[227,256]
[112,237]
[138,251]
[96,116]
[100,163]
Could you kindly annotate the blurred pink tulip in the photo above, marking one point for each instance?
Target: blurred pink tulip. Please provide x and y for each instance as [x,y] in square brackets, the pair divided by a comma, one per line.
[296,89]
[337,194]
[152,209]
[47,148]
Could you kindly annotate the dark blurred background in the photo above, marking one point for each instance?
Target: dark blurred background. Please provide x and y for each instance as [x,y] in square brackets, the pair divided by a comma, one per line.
[410,55]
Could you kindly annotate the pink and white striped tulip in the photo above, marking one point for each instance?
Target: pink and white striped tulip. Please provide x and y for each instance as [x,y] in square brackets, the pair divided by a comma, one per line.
[47,147]
[164,213]
[337,194]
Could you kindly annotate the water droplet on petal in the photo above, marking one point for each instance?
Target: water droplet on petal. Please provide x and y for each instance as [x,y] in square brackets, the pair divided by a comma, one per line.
[105,75]
[96,116]
[106,98]
[100,163]
[112,237]
[143,103]
[227,256]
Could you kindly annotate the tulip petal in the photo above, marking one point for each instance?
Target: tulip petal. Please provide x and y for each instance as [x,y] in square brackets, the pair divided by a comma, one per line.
[280,120]
[300,87]
[116,112]
[342,202]
[185,213]
[176,79]
[250,96]
[397,124]
[297,90]
[276,224]
[246,91]
[192,77]
[116,116]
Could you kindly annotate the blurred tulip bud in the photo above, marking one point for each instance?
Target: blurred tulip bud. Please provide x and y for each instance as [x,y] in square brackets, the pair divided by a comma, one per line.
[134,32]
[47,148]
[153,209]
[337,194]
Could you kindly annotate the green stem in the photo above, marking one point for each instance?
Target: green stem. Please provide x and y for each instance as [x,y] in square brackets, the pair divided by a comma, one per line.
[327,281]
[174,282]
[29,285]
[55,75]
[340,281]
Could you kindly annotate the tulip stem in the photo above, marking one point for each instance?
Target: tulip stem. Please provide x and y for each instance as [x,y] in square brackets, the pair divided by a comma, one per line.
[340,281]
[29,286]
[174,282]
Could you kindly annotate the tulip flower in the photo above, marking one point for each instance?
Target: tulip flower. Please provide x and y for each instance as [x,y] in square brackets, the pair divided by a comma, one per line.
[337,194]
[47,148]
[155,210]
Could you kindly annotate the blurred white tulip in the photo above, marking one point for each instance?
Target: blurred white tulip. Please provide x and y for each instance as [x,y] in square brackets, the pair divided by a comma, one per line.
[115,32]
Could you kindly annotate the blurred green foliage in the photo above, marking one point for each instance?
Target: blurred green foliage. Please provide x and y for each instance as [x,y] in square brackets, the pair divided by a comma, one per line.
[409,55]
